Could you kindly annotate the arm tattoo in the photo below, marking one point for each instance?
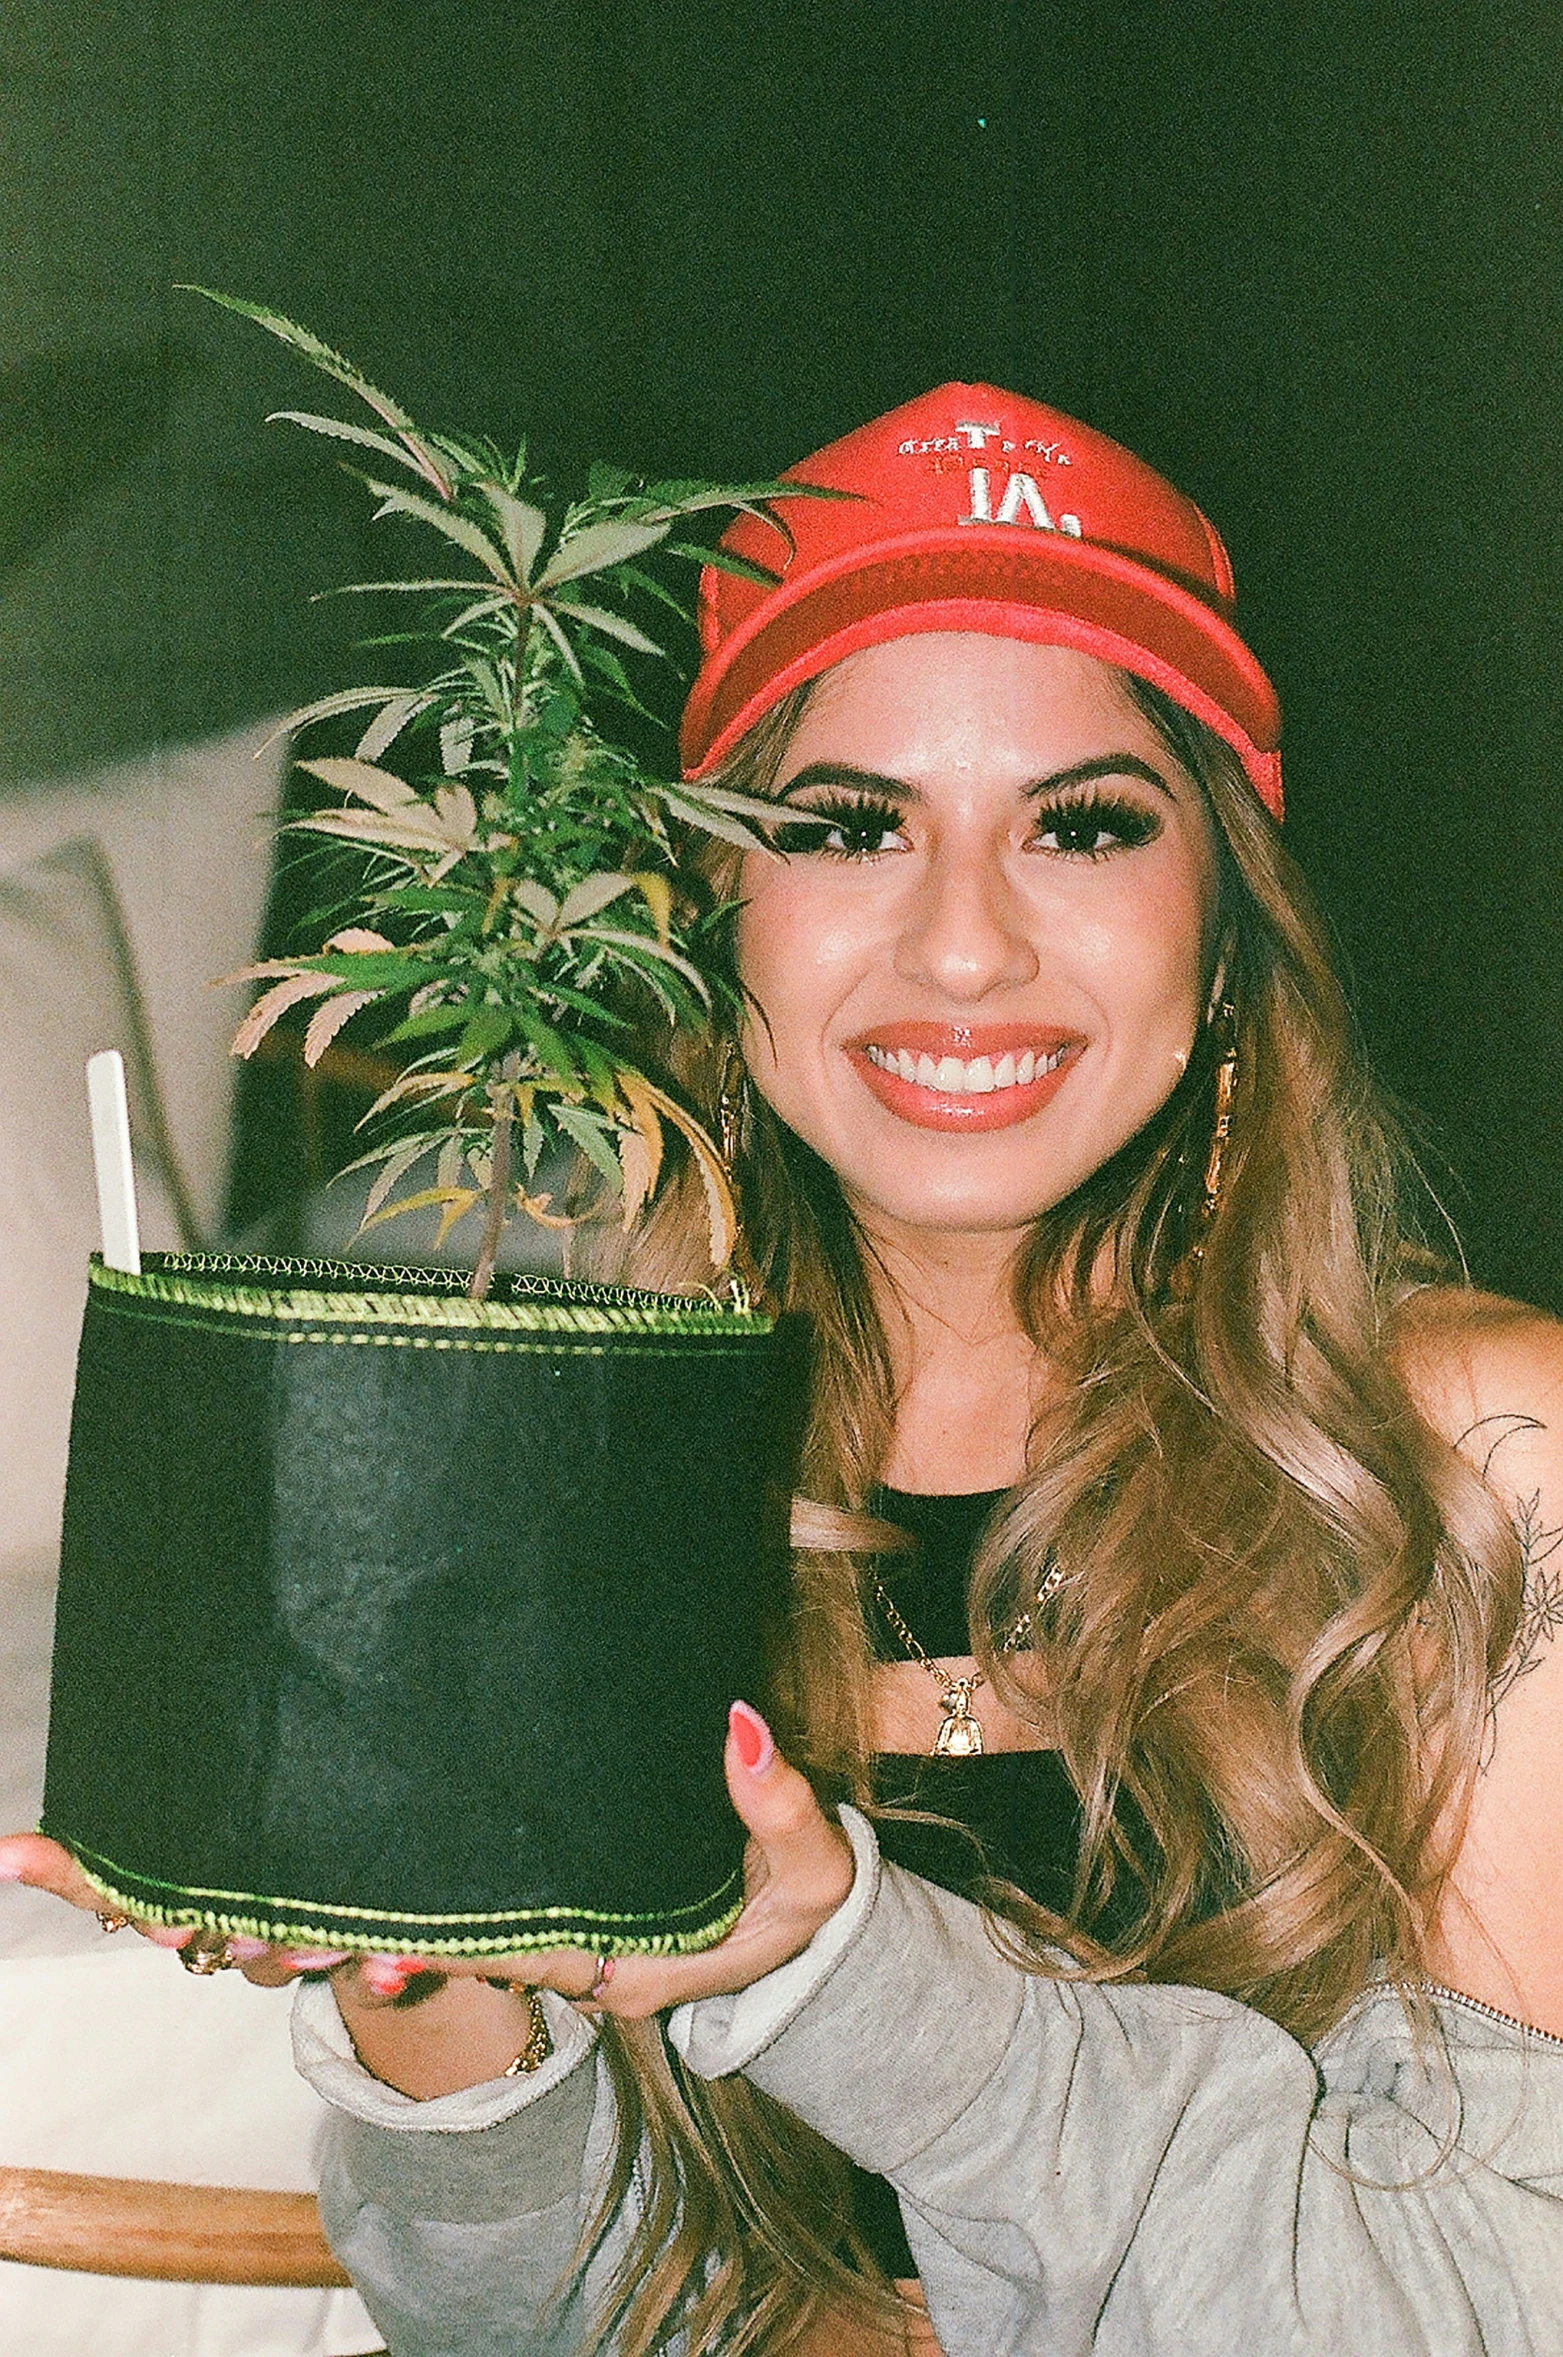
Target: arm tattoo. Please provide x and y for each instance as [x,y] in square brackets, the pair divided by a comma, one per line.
[1541,1607]
[1541,1610]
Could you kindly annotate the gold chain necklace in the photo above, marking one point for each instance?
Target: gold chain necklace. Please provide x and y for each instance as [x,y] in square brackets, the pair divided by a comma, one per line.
[960,1735]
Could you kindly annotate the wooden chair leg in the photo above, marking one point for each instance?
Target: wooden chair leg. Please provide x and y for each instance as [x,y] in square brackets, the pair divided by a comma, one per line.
[169,2233]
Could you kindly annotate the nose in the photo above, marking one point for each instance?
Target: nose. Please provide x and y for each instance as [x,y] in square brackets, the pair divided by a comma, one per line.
[966,932]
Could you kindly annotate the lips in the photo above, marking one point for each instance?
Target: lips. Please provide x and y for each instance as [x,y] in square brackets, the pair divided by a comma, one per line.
[966,1077]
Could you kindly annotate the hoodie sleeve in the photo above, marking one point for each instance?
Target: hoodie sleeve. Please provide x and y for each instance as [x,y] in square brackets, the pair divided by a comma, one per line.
[459,2219]
[1155,2171]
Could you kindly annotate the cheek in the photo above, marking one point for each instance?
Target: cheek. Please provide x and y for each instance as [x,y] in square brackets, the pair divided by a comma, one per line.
[768,972]
[1154,977]
[799,951]
[1140,960]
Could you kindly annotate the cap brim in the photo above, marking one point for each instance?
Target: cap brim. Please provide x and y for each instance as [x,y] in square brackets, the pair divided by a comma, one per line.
[1007,583]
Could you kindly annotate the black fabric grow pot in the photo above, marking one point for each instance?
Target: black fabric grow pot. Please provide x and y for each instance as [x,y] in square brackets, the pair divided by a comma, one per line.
[392,1620]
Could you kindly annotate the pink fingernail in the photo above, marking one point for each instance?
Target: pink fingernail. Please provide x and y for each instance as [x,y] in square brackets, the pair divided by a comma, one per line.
[753,1737]
[170,1935]
[10,1871]
[248,1950]
[387,1976]
[314,1959]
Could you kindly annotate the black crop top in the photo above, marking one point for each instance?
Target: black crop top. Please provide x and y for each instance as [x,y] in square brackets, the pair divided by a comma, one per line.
[1020,1804]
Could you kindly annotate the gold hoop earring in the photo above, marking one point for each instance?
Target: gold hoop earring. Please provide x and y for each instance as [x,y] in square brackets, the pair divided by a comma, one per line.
[1226,1091]
[1187,1268]
[732,1111]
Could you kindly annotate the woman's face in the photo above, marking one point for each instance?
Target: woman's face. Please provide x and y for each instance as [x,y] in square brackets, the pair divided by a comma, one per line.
[985,956]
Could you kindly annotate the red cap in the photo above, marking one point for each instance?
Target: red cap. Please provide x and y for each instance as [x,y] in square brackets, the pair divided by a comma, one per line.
[979,510]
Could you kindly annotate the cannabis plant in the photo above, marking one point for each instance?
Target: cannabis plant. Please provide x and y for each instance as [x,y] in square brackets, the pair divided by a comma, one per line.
[520,881]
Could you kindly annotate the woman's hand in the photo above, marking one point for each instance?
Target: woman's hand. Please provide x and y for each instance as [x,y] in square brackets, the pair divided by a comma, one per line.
[44,1866]
[797,1871]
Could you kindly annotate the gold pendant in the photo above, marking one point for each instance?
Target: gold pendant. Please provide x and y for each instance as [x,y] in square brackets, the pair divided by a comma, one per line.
[960,1737]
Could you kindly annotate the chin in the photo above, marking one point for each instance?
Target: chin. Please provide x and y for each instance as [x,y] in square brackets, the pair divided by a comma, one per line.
[917,1180]
[966,1203]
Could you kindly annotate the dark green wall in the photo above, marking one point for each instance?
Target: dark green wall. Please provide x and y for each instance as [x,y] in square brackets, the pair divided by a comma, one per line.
[1305,259]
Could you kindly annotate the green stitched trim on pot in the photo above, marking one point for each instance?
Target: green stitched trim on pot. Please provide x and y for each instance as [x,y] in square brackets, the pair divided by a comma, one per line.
[721,1344]
[310,1923]
[183,1280]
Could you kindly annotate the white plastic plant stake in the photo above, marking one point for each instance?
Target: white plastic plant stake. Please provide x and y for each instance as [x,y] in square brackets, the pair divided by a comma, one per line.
[111,1154]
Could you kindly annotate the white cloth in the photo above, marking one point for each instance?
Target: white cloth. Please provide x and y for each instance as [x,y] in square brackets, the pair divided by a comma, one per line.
[116,2063]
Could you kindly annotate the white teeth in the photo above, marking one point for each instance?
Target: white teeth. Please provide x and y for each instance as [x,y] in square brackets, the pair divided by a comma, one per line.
[953,1077]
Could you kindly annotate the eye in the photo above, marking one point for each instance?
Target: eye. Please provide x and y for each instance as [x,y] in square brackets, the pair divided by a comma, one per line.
[842,827]
[1093,826]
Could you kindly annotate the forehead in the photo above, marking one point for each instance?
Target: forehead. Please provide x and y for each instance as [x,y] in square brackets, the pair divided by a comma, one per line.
[954,703]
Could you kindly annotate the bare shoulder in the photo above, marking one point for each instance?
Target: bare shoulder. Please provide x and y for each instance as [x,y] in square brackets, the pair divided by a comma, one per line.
[1488,1375]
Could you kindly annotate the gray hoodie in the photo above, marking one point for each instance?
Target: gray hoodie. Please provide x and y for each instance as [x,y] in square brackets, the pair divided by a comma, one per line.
[1137,2171]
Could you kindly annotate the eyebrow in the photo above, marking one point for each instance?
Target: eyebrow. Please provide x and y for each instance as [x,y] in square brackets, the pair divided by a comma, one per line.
[1079,773]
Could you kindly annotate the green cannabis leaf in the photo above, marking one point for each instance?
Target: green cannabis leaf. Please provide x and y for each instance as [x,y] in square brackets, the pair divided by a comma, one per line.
[521,870]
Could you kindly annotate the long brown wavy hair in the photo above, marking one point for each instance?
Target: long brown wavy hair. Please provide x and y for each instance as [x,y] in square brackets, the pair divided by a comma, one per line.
[1284,1598]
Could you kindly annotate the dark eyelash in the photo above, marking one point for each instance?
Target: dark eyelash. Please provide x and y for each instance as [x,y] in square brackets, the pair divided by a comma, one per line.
[1098,813]
[854,814]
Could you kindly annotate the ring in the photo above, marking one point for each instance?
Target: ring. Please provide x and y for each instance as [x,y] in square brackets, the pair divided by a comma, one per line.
[110,1920]
[600,1979]
[207,1952]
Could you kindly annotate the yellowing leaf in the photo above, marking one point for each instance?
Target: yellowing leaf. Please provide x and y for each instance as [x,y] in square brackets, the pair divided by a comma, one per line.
[458,814]
[638,1097]
[588,897]
[273,1003]
[635,1174]
[560,637]
[415,829]
[419,1084]
[328,1020]
[259,973]
[347,699]
[448,825]
[721,1212]
[456,1200]
[359,937]
[657,893]
[462,1200]
[397,1163]
[455,746]
[381,788]
[536,1207]
[387,726]
[537,900]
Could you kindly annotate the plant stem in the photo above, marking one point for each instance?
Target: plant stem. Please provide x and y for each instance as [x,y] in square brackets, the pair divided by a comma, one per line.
[498,1191]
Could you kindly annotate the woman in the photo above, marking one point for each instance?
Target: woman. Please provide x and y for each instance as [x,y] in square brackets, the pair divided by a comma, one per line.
[1217,1630]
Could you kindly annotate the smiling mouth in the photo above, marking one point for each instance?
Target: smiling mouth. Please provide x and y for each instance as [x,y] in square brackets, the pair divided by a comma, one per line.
[957,1076]
[964,1078]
